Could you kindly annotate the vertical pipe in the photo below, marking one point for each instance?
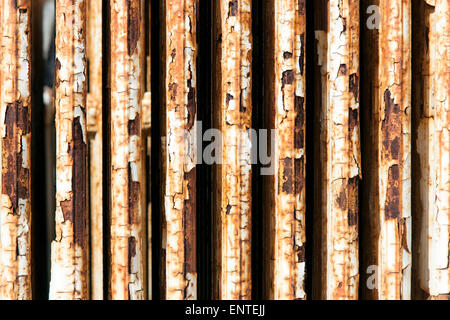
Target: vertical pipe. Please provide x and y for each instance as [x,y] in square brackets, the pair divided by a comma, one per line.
[339,150]
[127,74]
[69,270]
[15,130]
[94,126]
[179,204]
[387,213]
[147,124]
[232,114]
[285,206]
[394,150]
[433,148]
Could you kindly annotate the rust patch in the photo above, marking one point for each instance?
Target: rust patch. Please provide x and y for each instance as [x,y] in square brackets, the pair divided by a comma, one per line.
[299,138]
[341,200]
[391,123]
[353,201]
[134,126]
[133,26]
[242,108]
[287,175]
[14,177]
[233,8]
[287,78]
[66,207]
[134,188]
[57,64]
[342,70]
[131,252]
[173,91]
[287,55]
[353,85]
[392,205]
[353,119]
[301,58]
[191,108]
[301,6]
[299,175]
[189,213]
[79,156]
[300,252]
[228,98]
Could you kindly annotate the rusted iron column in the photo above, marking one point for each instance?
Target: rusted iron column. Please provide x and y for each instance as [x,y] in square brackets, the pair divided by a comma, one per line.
[433,149]
[179,176]
[94,126]
[127,74]
[387,206]
[338,57]
[69,270]
[286,21]
[146,126]
[15,129]
[232,108]
[394,151]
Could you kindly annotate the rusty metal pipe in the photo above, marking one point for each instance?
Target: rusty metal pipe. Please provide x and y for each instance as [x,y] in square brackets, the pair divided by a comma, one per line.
[338,51]
[394,169]
[94,127]
[433,149]
[15,140]
[69,269]
[286,189]
[387,212]
[232,108]
[179,203]
[128,254]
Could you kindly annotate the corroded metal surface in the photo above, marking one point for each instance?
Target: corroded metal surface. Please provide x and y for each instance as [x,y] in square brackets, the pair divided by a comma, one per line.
[340,150]
[94,126]
[128,257]
[286,86]
[433,147]
[394,151]
[387,221]
[233,112]
[69,269]
[15,130]
[180,54]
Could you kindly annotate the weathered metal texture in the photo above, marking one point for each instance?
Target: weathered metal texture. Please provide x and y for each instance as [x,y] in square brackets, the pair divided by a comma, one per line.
[147,122]
[233,114]
[69,268]
[180,84]
[340,150]
[433,148]
[394,156]
[127,74]
[286,88]
[94,126]
[15,157]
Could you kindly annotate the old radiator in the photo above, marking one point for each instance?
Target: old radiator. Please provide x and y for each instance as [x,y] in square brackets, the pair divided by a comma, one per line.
[225,149]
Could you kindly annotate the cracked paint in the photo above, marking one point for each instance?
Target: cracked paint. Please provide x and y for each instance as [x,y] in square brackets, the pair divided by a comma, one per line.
[233,112]
[433,143]
[340,154]
[180,62]
[128,257]
[15,157]
[69,250]
[287,104]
